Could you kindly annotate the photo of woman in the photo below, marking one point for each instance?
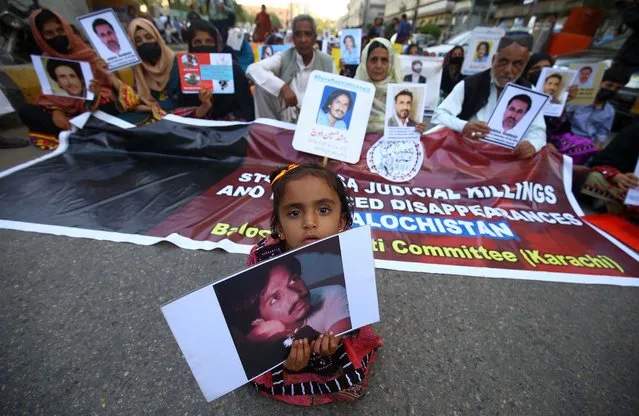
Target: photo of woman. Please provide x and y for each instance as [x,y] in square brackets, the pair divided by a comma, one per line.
[482,52]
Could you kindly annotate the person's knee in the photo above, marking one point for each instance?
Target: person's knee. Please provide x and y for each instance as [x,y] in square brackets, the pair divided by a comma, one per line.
[28,114]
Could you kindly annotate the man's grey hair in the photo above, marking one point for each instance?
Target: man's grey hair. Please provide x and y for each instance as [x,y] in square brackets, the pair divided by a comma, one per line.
[520,38]
[304,18]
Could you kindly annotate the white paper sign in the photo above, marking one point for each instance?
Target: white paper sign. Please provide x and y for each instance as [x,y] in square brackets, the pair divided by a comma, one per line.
[219,327]
[63,77]
[235,39]
[555,83]
[481,48]
[109,39]
[588,80]
[424,70]
[514,113]
[350,45]
[404,110]
[632,197]
[5,105]
[334,117]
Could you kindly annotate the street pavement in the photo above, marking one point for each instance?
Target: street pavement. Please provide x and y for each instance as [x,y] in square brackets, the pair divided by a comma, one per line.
[81,333]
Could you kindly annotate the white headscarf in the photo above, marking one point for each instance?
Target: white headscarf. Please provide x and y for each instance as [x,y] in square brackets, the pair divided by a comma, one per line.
[395,74]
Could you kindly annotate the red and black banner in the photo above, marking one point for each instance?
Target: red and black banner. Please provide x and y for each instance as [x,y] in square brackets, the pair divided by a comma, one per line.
[470,209]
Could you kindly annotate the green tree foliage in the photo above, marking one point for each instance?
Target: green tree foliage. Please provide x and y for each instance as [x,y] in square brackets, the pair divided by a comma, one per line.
[430,29]
[275,21]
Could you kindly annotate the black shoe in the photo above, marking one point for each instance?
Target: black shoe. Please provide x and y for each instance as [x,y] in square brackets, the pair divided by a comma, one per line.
[13,142]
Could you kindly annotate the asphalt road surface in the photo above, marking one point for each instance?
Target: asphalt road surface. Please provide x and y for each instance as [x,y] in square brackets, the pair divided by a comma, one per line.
[82,334]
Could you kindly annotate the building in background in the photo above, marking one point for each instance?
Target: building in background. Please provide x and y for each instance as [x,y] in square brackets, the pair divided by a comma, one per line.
[361,13]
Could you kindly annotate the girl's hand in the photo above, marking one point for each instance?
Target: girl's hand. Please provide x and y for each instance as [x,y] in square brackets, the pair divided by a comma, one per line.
[60,120]
[267,330]
[299,355]
[94,86]
[205,95]
[326,344]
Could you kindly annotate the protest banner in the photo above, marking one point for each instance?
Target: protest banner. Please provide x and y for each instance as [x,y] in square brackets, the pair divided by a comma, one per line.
[228,333]
[481,48]
[589,77]
[350,45]
[109,39]
[404,110]
[63,77]
[468,207]
[213,71]
[424,70]
[334,117]
[555,83]
[515,111]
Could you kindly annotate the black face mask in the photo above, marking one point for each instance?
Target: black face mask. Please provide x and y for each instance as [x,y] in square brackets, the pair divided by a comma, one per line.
[533,77]
[605,94]
[150,52]
[59,44]
[456,60]
[203,49]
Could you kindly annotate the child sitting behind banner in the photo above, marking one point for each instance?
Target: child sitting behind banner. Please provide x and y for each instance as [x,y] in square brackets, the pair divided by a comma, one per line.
[310,203]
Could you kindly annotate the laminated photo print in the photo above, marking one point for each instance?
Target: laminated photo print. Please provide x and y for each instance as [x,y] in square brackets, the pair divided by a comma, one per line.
[515,111]
[555,83]
[334,117]
[404,110]
[63,77]
[242,326]
[109,39]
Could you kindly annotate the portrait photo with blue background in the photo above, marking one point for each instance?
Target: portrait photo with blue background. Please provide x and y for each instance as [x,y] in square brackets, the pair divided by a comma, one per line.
[336,108]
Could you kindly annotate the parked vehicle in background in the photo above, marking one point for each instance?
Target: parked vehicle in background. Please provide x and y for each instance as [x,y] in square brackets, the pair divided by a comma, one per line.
[461,39]
[424,40]
[15,35]
[606,52]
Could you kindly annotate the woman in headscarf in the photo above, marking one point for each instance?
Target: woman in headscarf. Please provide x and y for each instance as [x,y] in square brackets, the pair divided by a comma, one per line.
[203,37]
[451,71]
[152,77]
[536,63]
[380,65]
[50,114]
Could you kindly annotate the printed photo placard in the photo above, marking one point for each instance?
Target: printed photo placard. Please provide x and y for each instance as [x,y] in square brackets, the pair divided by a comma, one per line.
[515,111]
[404,110]
[632,197]
[555,83]
[63,77]
[350,46]
[481,48]
[589,77]
[334,117]
[109,39]
[240,327]
[213,71]
[266,51]
[424,70]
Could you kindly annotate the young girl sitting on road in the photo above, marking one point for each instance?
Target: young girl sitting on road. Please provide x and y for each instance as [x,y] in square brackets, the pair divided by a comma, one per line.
[310,203]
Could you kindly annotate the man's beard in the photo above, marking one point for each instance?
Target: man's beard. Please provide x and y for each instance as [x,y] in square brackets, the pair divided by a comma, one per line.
[114,46]
[509,123]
